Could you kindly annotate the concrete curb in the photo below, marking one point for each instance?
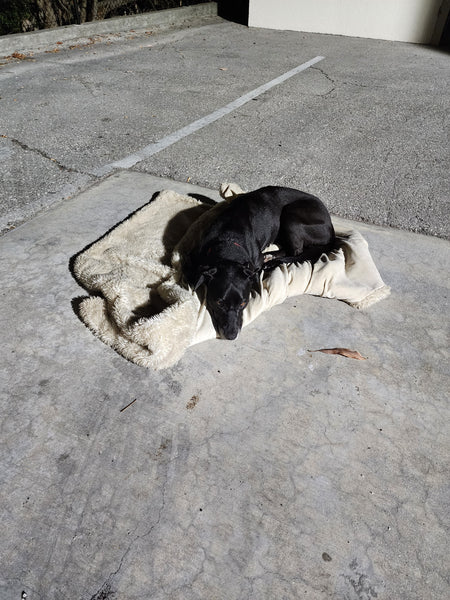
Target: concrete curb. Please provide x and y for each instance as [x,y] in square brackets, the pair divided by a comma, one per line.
[163,19]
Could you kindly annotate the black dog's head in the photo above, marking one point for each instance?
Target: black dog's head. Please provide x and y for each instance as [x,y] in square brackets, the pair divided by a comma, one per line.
[228,291]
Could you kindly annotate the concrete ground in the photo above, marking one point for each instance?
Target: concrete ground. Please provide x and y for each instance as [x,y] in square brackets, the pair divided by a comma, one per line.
[254,468]
[366,128]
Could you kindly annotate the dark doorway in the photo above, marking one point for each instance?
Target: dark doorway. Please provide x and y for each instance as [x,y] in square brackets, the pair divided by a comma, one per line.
[233,10]
[445,37]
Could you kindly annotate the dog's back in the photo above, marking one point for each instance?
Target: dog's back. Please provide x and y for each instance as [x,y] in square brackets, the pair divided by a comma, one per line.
[229,255]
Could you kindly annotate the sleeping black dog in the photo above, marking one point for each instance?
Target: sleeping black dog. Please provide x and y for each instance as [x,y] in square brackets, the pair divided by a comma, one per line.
[229,257]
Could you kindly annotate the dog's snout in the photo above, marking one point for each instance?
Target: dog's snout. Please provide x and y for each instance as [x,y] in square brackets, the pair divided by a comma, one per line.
[229,327]
[229,334]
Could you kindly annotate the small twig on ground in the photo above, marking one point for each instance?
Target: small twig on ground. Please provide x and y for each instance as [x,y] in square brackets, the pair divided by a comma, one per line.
[342,351]
[129,404]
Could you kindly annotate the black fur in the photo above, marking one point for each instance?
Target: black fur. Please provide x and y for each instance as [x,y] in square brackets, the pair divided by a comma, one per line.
[229,257]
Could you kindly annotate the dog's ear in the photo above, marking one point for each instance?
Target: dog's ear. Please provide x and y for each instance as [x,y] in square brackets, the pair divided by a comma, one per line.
[205,274]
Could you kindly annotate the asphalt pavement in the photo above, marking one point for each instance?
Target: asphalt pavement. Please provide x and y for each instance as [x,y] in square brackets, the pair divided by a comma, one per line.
[256,468]
[366,128]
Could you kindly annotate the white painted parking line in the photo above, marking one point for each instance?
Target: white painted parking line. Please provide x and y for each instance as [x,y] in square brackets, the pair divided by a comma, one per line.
[176,136]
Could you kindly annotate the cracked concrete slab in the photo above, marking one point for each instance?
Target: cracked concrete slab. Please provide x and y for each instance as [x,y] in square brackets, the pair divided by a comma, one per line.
[32,181]
[255,468]
[251,469]
[366,129]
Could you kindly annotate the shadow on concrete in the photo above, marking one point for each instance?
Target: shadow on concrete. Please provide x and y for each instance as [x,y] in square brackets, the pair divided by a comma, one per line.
[75,256]
[175,230]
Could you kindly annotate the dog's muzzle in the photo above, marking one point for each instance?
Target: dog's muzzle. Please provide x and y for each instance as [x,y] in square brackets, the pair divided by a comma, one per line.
[229,334]
[229,328]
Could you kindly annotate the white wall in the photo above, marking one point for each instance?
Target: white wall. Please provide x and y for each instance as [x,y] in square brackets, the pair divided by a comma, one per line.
[416,21]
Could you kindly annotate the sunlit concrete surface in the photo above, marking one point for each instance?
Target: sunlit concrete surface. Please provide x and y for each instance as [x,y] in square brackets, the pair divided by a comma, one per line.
[251,469]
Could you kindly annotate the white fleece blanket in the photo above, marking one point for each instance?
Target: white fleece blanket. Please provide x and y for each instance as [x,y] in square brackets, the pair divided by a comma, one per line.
[139,307]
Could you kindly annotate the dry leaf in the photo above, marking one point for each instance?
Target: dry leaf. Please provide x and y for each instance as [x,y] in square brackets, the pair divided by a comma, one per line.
[19,55]
[192,402]
[342,351]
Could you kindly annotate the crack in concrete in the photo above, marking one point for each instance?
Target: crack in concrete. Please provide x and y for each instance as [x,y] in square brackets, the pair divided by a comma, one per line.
[105,591]
[332,81]
[44,154]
